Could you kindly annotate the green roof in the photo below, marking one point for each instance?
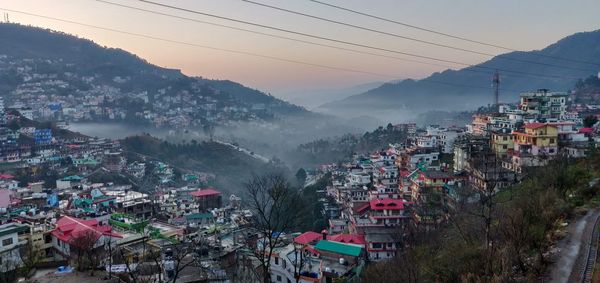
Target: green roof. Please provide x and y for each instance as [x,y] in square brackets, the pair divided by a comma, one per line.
[339,248]
[82,202]
[13,228]
[198,216]
[85,161]
[72,178]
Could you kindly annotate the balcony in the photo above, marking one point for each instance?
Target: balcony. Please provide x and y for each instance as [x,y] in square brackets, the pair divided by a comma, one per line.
[396,214]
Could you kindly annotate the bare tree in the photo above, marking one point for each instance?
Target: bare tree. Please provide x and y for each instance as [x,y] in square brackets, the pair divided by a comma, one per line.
[108,245]
[9,264]
[276,208]
[30,256]
[182,257]
[299,261]
[87,255]
[146,257]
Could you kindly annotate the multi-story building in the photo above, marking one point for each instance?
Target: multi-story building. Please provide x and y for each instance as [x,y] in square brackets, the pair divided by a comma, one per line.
[431,198]
[207,199]
[533,147]
[137,169]
[447,139]
[42,136]
[115,161]
[502,141]
[467,146]
[130,202]
[543,104]
[480,124]
[486,174]
[409,128]
[2,112]
[537,139]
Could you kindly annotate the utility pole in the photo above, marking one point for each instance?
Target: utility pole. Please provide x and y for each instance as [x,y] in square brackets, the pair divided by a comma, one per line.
[495,85]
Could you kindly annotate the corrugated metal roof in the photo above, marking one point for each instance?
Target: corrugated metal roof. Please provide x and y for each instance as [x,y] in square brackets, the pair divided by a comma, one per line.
[339,248]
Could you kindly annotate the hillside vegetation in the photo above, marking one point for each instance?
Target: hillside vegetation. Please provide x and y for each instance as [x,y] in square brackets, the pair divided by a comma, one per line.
[231,167]
[513,245]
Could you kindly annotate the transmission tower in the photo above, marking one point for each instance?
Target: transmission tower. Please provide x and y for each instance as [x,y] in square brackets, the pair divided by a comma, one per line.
[495,86]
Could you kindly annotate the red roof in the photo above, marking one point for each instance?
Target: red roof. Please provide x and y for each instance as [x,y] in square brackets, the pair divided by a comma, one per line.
[359,208]
[308,237]
[534,125]
[69,228]
[205,192]
[563,123]
[312,250]
[387,203]
[349,239]
[6,177]
[586,130]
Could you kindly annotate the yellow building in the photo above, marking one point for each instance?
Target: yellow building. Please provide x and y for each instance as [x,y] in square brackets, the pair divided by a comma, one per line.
[538,138]
[502,141]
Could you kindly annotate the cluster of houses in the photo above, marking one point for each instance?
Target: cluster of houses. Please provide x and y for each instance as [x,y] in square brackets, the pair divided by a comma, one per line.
[541,127]
[371,204]
[71,97]
[119,217]
[373,200]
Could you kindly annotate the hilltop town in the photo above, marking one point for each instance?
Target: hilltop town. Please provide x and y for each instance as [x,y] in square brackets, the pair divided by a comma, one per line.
[71,200]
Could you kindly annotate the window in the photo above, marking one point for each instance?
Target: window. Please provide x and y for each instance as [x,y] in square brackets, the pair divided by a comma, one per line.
[504,138]
[504,146]
[276,260]
[7,242]
[279,278]
[551,140]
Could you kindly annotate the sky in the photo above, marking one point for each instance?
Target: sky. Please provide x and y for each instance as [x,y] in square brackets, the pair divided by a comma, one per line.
[518,24]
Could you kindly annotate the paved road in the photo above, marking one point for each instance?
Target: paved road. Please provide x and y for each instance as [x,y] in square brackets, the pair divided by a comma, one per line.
[572,247]
[246,151]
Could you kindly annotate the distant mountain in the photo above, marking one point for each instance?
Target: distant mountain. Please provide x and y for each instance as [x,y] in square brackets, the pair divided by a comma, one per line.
[312,98]
[448,89]
[587,91]
[57,63]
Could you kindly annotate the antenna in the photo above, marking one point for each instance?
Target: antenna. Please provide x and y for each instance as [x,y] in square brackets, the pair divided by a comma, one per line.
[495,85]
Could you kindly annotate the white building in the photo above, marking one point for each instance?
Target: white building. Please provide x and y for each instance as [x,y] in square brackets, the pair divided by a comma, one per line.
[9,246]
[2,112]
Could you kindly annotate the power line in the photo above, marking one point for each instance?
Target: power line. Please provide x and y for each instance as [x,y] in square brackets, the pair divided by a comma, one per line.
[314,43]
[293,39]
[446,34]
[271,35]
[236,51]
[283,37]
[351,43]
[411,38]
[205,46]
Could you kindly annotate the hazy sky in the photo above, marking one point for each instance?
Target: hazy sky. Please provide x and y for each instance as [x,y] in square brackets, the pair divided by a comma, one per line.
[519,24]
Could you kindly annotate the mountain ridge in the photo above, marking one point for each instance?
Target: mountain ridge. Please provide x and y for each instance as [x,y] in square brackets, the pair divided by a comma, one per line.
[474,85]
[86,58]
